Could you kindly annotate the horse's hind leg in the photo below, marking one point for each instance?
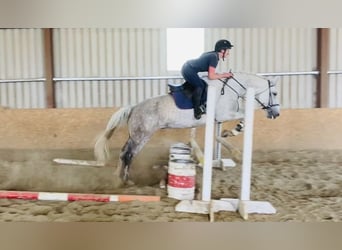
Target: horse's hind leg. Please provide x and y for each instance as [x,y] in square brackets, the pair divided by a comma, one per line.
[126,157]
[128,152]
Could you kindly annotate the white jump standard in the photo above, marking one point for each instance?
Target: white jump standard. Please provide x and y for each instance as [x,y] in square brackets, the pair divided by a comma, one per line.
[244,205]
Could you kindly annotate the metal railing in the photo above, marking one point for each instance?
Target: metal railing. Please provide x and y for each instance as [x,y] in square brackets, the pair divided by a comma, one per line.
[290,73]
[136,78]
[23,80]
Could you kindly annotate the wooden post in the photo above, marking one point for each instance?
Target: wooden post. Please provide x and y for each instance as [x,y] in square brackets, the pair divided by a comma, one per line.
[48,67]
[323,67]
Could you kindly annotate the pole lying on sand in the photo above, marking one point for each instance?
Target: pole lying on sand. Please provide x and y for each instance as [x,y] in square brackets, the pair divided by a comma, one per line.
[50,196]
[78,162]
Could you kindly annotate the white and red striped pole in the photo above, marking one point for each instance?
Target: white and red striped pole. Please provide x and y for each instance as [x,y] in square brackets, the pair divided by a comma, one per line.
[50,196]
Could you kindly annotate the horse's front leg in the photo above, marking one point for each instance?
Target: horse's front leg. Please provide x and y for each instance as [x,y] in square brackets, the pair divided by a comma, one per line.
[235,131]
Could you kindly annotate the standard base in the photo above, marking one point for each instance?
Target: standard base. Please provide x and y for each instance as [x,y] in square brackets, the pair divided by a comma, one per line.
[222,163]
[227,163]
[225,204]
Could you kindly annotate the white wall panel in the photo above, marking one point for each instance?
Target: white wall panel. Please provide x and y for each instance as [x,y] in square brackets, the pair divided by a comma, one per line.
[21,57]
[335,64]
[267,50]
[108,53]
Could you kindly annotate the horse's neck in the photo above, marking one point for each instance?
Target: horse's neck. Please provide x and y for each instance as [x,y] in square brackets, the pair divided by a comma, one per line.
[251,81]
[240,83]
[230,103]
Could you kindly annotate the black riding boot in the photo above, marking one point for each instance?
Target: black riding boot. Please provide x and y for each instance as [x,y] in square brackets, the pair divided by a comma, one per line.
[198,108]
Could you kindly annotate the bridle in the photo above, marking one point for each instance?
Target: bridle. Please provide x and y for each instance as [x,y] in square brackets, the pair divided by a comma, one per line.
[270,103]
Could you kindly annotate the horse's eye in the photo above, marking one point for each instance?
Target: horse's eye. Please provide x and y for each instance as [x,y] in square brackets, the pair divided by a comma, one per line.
[275,93]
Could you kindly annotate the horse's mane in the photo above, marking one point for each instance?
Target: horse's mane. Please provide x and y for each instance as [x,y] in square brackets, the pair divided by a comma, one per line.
[244,75]
[249,75]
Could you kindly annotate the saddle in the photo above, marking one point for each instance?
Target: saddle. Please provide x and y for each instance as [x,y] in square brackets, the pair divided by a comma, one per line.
[182,94]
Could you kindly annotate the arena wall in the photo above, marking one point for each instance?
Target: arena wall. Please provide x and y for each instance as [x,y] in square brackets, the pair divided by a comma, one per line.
[295,129]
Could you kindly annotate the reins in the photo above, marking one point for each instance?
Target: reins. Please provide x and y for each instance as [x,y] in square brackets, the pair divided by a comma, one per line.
[269,105]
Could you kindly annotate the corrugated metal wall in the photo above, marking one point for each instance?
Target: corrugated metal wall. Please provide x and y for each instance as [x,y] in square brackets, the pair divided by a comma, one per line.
[335,63]
[21,57]
[108,53]
[266,50]
[137,52]
[132,52]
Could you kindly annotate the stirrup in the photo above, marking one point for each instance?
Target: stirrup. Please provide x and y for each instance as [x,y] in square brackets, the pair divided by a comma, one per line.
[203,109]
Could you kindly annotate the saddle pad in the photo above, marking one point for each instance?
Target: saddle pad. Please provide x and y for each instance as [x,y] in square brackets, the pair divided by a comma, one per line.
[181,100]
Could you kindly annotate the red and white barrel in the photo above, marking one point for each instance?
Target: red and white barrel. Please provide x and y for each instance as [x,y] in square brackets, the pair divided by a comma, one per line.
[181,179]
[180,151]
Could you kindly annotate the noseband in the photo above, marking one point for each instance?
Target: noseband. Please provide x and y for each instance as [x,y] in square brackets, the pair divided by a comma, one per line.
[270,99]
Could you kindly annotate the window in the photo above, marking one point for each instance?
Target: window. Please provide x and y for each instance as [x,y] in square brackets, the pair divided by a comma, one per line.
[183,44]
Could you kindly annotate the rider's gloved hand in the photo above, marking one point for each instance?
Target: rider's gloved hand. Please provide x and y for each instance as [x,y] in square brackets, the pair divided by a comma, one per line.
[228,75]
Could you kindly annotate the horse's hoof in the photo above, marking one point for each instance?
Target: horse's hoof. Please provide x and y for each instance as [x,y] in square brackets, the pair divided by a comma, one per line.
[130,183]
[226,133]
[162,184]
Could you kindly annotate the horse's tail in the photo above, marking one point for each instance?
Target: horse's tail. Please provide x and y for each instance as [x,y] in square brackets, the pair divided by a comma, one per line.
[101,148]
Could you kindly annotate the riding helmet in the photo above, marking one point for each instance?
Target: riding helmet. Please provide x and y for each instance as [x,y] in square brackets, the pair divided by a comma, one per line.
[223,44]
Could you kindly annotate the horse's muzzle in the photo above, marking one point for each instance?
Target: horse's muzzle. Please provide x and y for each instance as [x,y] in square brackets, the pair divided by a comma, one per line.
[273,112]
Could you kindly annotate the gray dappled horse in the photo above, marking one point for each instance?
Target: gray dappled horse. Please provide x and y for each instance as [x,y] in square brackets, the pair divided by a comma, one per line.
[145,118]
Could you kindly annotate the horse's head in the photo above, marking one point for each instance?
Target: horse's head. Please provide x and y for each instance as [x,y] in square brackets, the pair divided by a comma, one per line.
[267,98]
[265,91]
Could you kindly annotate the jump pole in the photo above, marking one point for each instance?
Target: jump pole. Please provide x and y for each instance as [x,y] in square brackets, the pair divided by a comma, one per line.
[218,162]
[244,205]
[77,162]
[51,196]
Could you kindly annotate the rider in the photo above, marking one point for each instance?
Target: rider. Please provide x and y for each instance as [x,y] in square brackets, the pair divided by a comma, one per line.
[207,62]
